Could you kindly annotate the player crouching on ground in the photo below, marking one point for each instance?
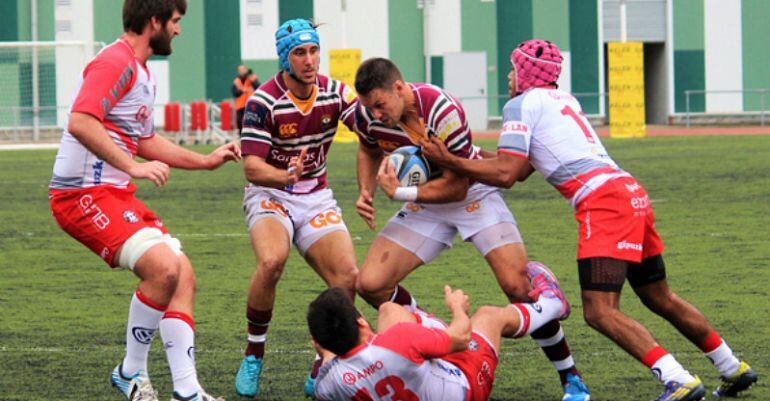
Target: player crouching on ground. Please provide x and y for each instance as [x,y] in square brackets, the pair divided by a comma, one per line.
[92,196]
[413,356]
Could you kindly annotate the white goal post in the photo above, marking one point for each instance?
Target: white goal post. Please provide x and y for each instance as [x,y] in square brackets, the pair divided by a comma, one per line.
[37,80]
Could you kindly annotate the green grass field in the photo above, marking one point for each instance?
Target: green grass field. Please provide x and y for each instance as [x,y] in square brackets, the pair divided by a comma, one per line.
[63,312]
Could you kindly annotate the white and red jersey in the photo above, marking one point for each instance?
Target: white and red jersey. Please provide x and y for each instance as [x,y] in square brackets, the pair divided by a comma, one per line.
[277,125]
[119,91]
[402,363]
[548,127]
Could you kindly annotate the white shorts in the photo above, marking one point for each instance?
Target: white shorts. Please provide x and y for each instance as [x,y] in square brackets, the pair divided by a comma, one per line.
[306,217]
[483,208]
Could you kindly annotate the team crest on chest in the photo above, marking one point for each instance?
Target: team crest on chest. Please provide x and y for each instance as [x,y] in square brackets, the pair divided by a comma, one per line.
[326,122]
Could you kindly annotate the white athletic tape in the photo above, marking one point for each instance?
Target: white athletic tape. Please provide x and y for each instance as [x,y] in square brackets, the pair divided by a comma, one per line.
[141,241]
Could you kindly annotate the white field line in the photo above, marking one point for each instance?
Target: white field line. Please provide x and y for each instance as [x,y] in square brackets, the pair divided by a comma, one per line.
[29,146]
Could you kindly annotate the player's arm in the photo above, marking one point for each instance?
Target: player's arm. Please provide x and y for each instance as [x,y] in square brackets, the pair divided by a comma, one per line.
[368,160]
[161,149]
[90,132]
[257,171]
[459,329]
[501,171]
[449,187]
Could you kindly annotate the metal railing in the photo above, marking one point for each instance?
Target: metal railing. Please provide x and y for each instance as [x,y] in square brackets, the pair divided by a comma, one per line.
[762,103]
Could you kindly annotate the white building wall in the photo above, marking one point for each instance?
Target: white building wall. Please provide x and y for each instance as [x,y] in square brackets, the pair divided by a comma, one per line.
[259,21]
[442,23]
[723,54]
[363,25]
[74,21]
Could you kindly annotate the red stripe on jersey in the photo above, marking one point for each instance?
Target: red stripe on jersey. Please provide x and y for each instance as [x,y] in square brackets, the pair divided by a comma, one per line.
[106,79]
[181,316]
[570,188]
[512,153]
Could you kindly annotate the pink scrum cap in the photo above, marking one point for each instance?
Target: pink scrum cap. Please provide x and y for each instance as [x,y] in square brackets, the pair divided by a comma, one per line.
[537,63]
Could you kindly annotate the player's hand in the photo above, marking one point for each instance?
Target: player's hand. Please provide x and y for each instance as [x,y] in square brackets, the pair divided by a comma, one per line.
[155,171]
[223,154]
[296,167]
[365,209]
[456,300]
[436,151]
[386,177]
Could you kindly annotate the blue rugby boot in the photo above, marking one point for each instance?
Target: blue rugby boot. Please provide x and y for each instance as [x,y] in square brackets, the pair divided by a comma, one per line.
[575,389]
[247,379]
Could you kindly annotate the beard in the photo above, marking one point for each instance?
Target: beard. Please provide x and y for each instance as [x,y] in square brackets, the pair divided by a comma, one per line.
[161,43]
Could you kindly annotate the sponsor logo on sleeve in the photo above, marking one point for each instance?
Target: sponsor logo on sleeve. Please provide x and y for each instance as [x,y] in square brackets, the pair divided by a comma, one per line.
[515,126]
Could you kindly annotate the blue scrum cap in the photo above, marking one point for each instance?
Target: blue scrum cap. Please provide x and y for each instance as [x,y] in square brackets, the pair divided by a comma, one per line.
[293,33]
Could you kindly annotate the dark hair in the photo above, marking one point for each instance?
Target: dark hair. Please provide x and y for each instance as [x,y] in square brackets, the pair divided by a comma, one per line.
[376,73]
[331,319]
[137,13]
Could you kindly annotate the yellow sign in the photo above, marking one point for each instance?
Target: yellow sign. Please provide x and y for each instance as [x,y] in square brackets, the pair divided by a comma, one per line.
[626,81]
[343,64]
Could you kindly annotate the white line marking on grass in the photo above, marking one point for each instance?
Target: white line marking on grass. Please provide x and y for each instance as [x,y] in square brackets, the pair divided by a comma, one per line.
[29,146]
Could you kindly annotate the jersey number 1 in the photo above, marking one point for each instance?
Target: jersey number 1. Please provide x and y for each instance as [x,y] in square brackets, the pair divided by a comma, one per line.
[390,385]
[568,111]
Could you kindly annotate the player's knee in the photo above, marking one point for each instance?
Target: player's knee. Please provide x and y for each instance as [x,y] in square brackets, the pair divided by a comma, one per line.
[389,308]
[596,317]
[368,286]
[271,269]
[517,289]
[346,277]
[485,314]
[166,276]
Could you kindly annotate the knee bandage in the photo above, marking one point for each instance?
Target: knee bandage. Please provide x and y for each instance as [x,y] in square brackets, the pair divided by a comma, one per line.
[141,241]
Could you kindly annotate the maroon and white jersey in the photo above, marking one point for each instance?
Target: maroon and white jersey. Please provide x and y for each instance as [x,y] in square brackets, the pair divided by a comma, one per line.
[440,113]
[119,91]
[402,363]
[277,125]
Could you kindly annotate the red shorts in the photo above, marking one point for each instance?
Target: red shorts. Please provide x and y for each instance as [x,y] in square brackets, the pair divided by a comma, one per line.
[103,217]
[617,221]
[478,364]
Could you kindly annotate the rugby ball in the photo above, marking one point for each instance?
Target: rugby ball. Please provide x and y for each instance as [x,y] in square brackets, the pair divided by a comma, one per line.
[412,168]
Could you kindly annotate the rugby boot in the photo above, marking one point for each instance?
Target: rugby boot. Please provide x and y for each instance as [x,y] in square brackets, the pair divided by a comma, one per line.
[247,379]
[547,285]
[134,388]
[201,395]
[675,391]
[742,380]
[575,389]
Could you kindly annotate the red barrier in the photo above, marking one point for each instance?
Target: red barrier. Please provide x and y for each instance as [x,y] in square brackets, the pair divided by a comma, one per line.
[199,119]
[171,122]
[226,115]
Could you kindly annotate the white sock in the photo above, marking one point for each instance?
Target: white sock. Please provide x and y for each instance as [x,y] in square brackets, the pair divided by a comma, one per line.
[178,335]
[724,360]
[143,319]
[536,314]
[668,369]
